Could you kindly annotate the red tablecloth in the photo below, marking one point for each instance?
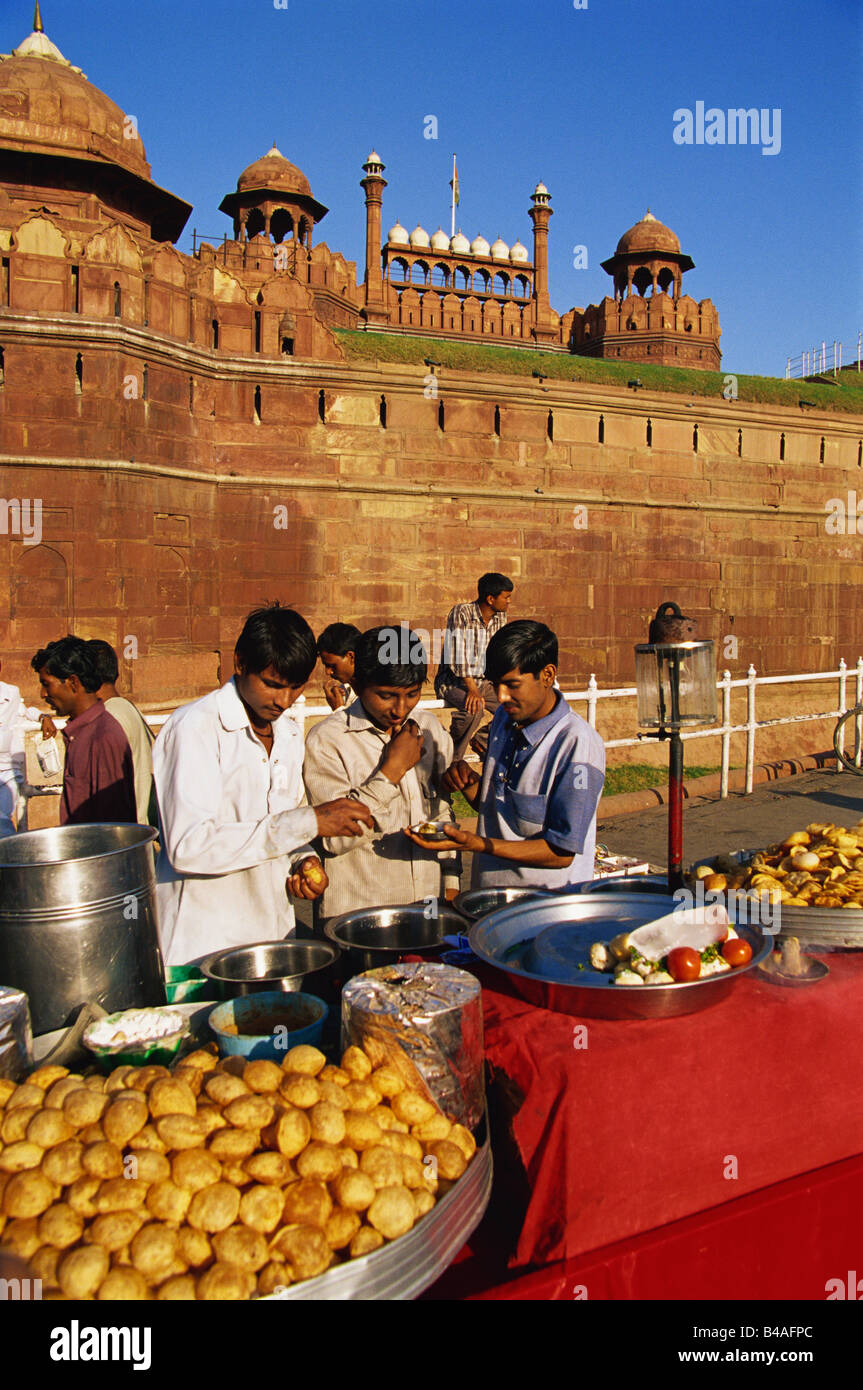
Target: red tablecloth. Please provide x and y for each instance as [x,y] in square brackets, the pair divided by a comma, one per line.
[651,1122]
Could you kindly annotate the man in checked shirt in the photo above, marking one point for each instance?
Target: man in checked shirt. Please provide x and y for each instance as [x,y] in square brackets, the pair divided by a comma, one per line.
[460,681]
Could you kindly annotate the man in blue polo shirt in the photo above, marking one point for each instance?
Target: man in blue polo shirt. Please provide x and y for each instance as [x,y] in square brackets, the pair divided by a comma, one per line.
[540,787]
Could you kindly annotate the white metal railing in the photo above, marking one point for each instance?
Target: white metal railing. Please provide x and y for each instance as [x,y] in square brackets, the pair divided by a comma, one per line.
[724,730]
[828,357]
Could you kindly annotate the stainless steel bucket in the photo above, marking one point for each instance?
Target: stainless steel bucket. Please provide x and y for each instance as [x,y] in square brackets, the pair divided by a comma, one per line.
[78,919]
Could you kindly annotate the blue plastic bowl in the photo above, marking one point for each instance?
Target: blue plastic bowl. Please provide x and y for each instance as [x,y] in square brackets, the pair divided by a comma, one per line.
[267,1024]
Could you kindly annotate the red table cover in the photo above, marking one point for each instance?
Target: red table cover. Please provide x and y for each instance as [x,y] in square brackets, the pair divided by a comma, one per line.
[650,1122]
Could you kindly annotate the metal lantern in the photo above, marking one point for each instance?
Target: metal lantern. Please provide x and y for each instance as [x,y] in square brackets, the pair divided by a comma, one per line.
[676,681]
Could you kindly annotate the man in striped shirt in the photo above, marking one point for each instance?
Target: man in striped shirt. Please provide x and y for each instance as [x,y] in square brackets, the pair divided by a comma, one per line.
[460,681]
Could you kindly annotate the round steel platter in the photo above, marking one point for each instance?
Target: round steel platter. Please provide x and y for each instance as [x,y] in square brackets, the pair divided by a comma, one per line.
[836,928]
[543,947]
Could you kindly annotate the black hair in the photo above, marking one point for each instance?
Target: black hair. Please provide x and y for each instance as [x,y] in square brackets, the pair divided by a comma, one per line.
[392,655]
[278,637]
[104,659]
[492,584]
[524,646]
[338,639]
[69,656]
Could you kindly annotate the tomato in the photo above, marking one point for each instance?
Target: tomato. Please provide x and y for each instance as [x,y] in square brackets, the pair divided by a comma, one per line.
[737,951]
[684,964]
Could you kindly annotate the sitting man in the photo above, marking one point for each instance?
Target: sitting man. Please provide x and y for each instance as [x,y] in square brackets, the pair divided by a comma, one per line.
[460,680]
[337,647]
[540,787]
[394,764]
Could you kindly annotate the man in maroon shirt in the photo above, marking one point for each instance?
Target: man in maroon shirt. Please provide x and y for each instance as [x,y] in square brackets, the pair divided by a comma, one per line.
[99,776]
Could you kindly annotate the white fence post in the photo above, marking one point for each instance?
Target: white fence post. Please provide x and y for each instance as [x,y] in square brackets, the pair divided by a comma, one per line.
[750,728]
[591,701]
[726,736]
[858,722]
[843,678]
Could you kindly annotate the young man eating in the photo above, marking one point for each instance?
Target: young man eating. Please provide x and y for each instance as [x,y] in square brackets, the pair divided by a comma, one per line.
[540,786]
[384,751]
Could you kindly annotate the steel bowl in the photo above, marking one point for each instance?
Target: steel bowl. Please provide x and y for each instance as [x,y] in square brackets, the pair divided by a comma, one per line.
[267,965]
[642,883]
[376,936]
[479,902]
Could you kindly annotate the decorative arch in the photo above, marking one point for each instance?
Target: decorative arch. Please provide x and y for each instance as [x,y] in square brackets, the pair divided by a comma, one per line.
[440,276]
[419,273]
[40,585]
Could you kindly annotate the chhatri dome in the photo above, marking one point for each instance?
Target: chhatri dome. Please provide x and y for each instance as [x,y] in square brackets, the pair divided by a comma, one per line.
[274,172]
[649,235]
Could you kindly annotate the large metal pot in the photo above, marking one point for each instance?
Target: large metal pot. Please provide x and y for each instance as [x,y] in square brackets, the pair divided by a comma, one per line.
[78,920]
[376,936]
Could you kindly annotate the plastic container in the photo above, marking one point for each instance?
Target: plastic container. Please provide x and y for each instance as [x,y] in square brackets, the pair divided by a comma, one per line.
[159,1051]
[267,1024]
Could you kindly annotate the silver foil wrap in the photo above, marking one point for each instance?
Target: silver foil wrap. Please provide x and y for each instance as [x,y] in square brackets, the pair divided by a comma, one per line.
[16,1038]
[426,1020]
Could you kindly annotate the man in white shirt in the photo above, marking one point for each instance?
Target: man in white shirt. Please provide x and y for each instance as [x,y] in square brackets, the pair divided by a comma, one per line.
[13,716]
[234,830]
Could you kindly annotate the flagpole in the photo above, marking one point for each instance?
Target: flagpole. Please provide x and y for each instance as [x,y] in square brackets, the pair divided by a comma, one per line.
[452,186]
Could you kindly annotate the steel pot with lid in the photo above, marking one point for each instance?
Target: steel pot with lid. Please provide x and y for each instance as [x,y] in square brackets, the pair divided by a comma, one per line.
[78,920]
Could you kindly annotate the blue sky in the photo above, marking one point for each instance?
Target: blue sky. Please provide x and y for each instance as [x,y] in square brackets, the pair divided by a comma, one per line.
[582,98]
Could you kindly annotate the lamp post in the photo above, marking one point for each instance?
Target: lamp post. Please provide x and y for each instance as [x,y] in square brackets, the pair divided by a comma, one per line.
[676,681]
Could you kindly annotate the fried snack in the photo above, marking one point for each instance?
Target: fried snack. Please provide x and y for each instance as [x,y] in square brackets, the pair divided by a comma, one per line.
[413,1172]
[116,1080]
[44,1264]
[60,1225]
[412,1108]
[241,1246]
[21,1236]
[180,1131]
[392,1212]
[57,1093]
[464,1140]
[25,1094]
[249,1112]
[304,1060]
[125,1117]
[387,1120]
[210,1118]
[15,1123]
[84,1107]
[365,1241]
[94,1082]
[274,1277]
[92,1134]
[28,1193]
[423,1201]
[142,1078]
[361,1095]
[263,1077]
[17,1157]
[102,1160]
[383,1166]
[334,1094]
[292,1132]
[361,1131]
[168,1202]
[82,1271]
[44,1077]
[223,1088]
[191,1077]
[233,1145]
[437,1127]
[195,1168]
[319,1160]
[124,1285]
[154,1252]
[116,1229]
[301,1091]
[341,1228]
[451,1162]
[178,1287]
[149,1139]
[307,1203]
[225,1282]
[356,1064]
[194,1247]
[48,1128]
[214,1208]
[350,1158]
[81,1195]
[171,1097]
[269,1168]
[234,1173]
[306,1250]
[406,1144]
[146,1165]
[7,1087]
[203,1060]
[261,1208]
[354,1190]
[121,1194]
[386,1080]
[337,1075]
[327,1122]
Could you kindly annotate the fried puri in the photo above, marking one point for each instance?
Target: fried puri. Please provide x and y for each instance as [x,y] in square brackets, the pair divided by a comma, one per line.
[116,1229]
[125,1117]
[356,1064]
[392,1212]
[306,1250]
[271,1168]
[241,1246]
[304,1060]
[28,1193]
[263,1077]
[124,1285]
[195,1168]
[319,1161]
[299,1090]
[342,1225]
[171,1097]
[354,1189]
[82,1271]
[214,1208]
[261,1208]
[307,1203]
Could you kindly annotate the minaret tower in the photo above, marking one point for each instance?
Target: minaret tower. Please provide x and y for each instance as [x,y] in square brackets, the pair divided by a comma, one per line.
[374,183]
[539,216]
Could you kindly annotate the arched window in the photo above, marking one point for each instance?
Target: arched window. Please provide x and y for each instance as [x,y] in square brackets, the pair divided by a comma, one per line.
[76,289]
[481,281]
[281,226]
[322,406]
[695,439]
[600,432]
[497,421]
[398,271]
[382,414]
[257,330]
[118,299]
[419,273]
[549,427]
[191,395]
[255,223]
[145,383]
[440,275]
[649,434]
[287,347]
[441,416]
[821,451]
[257,405]
[500,285]
[781,448]
[215,327]
[740,444]
[461,278]
[79,375]
[522,287]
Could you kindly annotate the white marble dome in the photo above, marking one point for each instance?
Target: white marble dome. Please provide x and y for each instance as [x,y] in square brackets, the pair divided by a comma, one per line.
[479,246]
[440,240]
[517,252]
[398,235]
[460,244]
[500,250]
[420,238]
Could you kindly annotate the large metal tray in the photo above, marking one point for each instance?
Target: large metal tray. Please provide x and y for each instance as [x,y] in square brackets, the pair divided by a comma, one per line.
[836,928]
[505,940]
[405,1267]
